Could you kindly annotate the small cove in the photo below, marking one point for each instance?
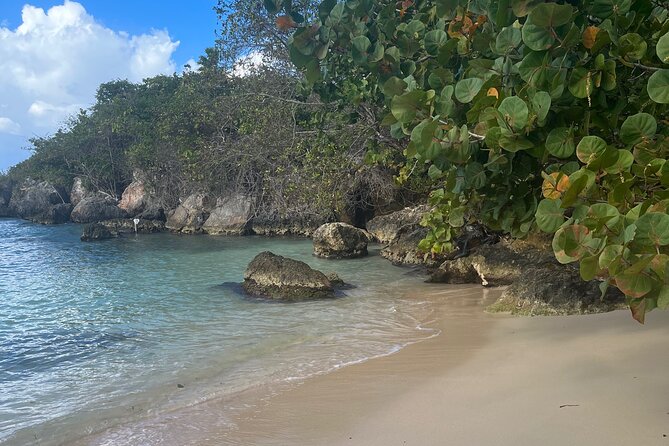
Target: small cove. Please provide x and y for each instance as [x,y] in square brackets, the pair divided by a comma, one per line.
[97,335]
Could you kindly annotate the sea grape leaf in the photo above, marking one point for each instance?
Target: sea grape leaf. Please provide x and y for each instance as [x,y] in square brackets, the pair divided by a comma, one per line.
[638,127]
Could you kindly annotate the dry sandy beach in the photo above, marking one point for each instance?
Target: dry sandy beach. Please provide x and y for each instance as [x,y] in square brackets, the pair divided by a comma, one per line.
[486,380]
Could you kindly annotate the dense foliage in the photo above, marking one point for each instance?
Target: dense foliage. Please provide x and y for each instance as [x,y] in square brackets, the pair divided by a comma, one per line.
[527,115]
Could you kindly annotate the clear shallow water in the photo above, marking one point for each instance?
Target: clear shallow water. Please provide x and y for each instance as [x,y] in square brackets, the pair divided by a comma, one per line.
[97,335]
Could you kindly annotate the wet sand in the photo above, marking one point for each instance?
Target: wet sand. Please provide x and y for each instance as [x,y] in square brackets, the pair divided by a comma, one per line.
[486,380]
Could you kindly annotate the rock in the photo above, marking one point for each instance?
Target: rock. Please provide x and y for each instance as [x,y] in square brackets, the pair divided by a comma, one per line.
[127,226]
[231,216]
[555,290]
[191,214]
[384,228]
[403,250]
[274,225]
[95,231]
[491,265]
[40,202]
[78,192]
[276,277]
[96,208]
[339,241]
[136,201]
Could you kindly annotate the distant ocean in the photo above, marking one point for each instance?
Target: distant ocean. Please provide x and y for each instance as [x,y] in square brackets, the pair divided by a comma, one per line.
[98,336]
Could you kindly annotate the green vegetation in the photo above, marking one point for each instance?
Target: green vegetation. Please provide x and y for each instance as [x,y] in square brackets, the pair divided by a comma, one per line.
[525,115]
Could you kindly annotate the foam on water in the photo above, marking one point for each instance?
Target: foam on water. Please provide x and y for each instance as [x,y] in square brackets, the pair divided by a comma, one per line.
[126,332]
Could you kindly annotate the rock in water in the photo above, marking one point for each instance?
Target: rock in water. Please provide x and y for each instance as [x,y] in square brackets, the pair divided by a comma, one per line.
[191,214]
[40,202]
[136,201]
[95,231]
[403,250]
[95,208]
[276,277]
[385,228]
[339,241]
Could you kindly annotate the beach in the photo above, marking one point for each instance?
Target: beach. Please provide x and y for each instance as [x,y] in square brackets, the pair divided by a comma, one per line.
[487,379]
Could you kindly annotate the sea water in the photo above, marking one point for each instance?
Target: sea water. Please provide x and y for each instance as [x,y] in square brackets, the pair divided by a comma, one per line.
[108,335]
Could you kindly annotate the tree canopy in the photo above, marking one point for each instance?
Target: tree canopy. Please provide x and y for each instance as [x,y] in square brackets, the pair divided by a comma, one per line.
[526,115]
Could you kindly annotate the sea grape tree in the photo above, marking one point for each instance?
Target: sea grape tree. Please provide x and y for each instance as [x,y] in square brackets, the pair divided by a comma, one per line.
[527,115]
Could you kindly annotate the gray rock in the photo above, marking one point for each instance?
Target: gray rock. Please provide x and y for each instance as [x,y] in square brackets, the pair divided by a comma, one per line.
[78,192]
[96,208]
[555,290]
[384,228]
[231,216]
[191,214]
[40,202]
[276,277]
[95,231]
[274,225]
[127,226]
[339,240]
[403,250]
[137,201]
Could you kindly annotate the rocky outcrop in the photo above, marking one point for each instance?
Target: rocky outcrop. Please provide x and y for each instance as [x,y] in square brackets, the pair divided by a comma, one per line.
[95,231]
[191,214]
[403,250]
[231,216]
[556,290]
[274,225]
[40,202]
[137,201]
[78,192]
[276,277]
[384,228]
[96,208]
[339,241]
[5,198]
[127,226]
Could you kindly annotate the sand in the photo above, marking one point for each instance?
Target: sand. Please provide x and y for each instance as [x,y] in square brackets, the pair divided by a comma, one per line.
[486,380]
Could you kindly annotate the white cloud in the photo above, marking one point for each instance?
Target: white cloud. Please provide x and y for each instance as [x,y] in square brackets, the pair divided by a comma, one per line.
[194,66]
[9,126]
[52,64]
[247,64]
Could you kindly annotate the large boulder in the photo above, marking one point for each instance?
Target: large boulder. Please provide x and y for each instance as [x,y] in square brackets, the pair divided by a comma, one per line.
[78,191]
[40,202]
[191,214]
[96,208]
[384,228]
[403,250]
[276,277]
[94,232]
[339,240]
[554,289]
[136,201]
[231,216]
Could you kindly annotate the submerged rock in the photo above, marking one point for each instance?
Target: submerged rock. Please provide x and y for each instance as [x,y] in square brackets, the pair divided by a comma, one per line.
[96,208]
[276,277]
[40,202]
[385,228]
[95,231]
[191,214]
[339,240]
[127,226]
[231,216]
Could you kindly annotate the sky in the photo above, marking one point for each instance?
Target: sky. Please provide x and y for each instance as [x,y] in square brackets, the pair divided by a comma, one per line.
[55,53]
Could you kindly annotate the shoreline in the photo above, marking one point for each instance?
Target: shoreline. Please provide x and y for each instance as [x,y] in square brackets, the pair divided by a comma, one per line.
[488,379]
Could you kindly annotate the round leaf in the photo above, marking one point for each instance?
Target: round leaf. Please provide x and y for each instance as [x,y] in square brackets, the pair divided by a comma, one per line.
[514,112]
[560,142]
[658,87]
[662,48]
[550,15]
[590,148]
[434,40]
[507,39]
[638,127]
[549,215]
[652,229]
[466,89]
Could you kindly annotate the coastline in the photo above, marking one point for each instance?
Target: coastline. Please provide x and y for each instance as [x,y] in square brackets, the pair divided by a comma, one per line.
[594,379]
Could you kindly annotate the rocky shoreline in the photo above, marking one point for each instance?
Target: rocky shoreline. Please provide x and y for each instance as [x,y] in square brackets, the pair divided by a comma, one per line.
[536,283]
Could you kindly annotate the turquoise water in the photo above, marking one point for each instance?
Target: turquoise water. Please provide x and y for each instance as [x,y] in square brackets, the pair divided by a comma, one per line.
[97,336]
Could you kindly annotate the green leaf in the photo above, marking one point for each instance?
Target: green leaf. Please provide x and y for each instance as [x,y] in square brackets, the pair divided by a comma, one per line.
[434,40]
[549,215]
[663,297]
[662,48]
[507,39]
[590,148]
[580,83]
[541,104]
[624,160]
[537,38]
[606,8]
[394,86]
[272,6]
[658,87]
[550,15]
[560,142]
[652,229]
[638,127]
[466,89]
[589,267]
[514,113]
[569,243]
[634,285]
[632,46]
[406,106]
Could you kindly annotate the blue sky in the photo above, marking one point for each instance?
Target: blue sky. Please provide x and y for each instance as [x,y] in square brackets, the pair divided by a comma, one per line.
[52,59]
